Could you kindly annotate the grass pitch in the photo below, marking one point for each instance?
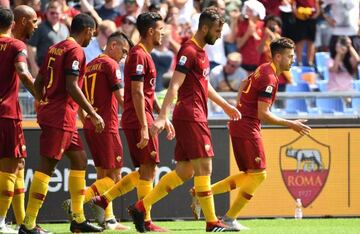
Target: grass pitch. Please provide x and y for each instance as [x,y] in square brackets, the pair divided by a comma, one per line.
[273,226]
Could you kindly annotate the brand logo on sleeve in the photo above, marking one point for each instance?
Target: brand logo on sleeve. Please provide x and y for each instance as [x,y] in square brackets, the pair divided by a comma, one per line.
[118,74]
[75,65]
[182,60]
[24,51]
[269,89]
[139,69]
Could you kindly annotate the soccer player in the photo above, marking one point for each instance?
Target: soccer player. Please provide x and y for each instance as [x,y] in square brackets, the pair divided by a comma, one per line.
[13,66]
[139,103]
[193,150]
[57,86]
[255,97]
[104,91]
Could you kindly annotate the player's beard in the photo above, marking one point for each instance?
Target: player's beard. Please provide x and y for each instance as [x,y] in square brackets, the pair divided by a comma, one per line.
[209,40]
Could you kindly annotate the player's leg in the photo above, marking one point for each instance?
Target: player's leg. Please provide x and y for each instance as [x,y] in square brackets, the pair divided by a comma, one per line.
[250,157]
[8,169]
[18,202]
[12,153]
[37,193]
[183,171]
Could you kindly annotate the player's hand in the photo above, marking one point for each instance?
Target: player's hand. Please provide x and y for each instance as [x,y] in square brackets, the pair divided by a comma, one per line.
[232,112]
[98,122]
[157,126]
[144,137]
[299,126]
[169,130]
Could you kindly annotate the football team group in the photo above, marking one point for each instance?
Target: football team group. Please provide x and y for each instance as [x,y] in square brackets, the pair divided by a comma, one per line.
[66,87]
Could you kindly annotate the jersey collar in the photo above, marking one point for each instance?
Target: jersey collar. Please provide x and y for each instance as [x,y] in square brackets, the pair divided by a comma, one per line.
[196,43]
[143,47]
[272,65]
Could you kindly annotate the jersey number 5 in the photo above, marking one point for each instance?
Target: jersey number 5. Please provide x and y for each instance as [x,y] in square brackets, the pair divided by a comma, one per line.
[49,66]
[90,79]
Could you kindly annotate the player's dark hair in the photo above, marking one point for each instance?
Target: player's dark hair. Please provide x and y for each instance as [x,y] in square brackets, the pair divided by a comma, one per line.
[81,22]
[6,18]
[278,45]
[120,36]
[209,16]
[145,21]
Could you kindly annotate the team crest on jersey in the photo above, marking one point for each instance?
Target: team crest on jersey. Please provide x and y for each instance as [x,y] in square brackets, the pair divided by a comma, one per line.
[75,65]
[139,69]
[269,89]
[182,60]
[118,74]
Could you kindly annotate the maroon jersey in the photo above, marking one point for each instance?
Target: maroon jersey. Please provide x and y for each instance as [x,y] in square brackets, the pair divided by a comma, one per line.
[11,51]
[193,94]
[262,86]
[139,66]
[102,77]
[58,109]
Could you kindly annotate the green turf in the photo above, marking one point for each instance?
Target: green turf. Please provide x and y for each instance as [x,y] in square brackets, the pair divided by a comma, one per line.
[274,226]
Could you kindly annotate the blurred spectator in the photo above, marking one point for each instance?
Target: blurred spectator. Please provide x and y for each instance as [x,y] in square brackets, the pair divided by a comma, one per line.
[272,30]
[98,43]
[323,29]
[272,6]
[131,7]
[344,19]
[288,20]
[228,77]
[186,10]
[163,58]
[49,32]
[172,25]
[249,34]
[109,11]
[128,27]
[306,13]
[69,12]
[343,65]
[5,3]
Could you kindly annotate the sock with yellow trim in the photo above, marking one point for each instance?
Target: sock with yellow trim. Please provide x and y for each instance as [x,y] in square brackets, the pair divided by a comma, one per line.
[77,194]
[125,185]
[99,187]
[144,187]
[166,184]
[37,194]
[228,184]
[7,183]
[18,202]
[203,192]
[247,190]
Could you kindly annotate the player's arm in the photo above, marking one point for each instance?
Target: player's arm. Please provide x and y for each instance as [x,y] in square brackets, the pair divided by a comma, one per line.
[242,86]
[39,87]
[138,97]
[25,76]
[75,92]
[156,105]
[119,95]
[264,114]
[231,111]
[175,83]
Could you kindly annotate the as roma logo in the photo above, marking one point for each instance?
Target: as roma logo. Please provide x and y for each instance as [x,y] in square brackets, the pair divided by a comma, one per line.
[304,165]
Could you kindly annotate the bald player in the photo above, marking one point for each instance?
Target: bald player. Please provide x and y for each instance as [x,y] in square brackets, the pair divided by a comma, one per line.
[13,67]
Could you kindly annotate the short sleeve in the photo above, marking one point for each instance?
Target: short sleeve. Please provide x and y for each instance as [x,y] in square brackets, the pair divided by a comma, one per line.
[137,66]
[267,87]
[21,52]
[185,59]
[73,62]
[114,76]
